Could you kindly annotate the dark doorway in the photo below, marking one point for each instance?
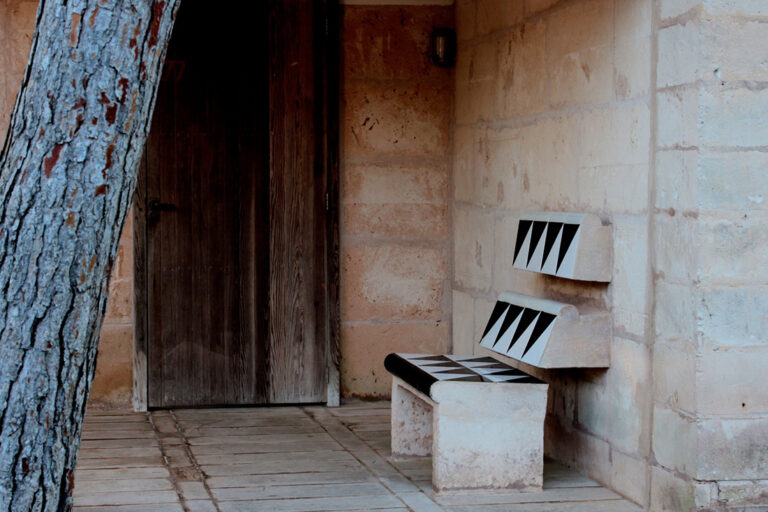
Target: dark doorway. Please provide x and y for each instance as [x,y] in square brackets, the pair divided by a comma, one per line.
[235,251]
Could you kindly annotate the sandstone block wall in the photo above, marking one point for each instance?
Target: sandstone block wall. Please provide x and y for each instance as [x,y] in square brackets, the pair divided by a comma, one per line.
[554,112]
[396,135]
[710,351]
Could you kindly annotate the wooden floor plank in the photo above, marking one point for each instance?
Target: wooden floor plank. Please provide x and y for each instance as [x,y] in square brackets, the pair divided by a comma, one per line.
[313,504]
[299,491]
[128,498]
[285,466]
[585,506]
[88,487]
[329,477]
[92,475]
[155,507]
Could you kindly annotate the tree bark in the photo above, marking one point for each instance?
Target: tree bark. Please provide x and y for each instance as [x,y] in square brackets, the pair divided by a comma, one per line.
[67,173]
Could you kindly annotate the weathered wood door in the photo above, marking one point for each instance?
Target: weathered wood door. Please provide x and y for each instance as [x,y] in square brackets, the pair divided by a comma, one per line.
[235,204]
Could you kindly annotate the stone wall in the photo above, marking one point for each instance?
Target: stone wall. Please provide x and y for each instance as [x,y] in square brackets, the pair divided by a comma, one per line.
[112,385]
[395,171]
[553,113]
[710,417]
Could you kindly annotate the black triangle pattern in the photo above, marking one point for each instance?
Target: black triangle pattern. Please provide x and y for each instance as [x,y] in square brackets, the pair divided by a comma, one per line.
[553,228]
[541,325]
[536,232]
[525,320]
[411,369]
[513,312]
[569,231]
[498,309]
[522,230]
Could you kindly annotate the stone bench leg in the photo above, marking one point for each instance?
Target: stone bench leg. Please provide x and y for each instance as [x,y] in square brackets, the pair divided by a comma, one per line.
[411,422]
[488,435]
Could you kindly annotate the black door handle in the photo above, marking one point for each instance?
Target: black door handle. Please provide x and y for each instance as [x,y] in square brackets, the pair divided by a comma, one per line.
[155,207]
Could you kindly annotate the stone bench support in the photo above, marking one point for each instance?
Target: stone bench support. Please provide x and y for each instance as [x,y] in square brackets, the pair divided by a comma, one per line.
[480,434]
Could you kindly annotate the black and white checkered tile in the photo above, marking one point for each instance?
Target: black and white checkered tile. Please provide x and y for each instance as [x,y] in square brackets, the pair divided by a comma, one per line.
[547,243]
[423,370]
[520,327]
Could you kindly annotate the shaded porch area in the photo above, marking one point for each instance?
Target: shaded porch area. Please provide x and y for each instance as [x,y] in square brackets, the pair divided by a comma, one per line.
[284,459]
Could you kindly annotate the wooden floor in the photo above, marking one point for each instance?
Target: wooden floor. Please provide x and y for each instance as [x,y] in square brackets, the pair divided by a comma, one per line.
[284,459]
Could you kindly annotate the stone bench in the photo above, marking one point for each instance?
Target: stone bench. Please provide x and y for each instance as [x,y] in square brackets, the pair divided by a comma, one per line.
[481,420]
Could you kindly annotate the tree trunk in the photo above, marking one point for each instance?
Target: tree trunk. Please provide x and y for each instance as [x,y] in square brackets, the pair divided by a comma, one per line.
[67,173]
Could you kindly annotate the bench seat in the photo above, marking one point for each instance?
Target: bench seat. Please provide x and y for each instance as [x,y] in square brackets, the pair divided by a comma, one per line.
[422,370]
[480,419]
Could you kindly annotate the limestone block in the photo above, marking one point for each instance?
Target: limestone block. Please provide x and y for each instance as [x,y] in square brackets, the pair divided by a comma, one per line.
[411,421]
[631,272]
[396,201]
[674,238]
[488,435]
[618,189]
[473,248]
[675,312]
[405,119]
[732,381]
[113,380]
[631,67]
[463,163]
[463,323]
[571,245]
[674,373]
[120,308]
[733,317]
[733,448]
[672,8]
[493,15]
[497,180]
[742,7]
[674,440]
[743,493]
[364,347]
[616,136]
[534,6]
[548,334]
[522,75]
[670,492]
[476,83]
[615,405]
[581,77]
[391,42]
[628,477]
[392,282]
[678,55]
[678,118]
[733,117]
[549,164]
[633,18]
[733,181]
[594,27]
[734,48]
[677,175]
[465,18]
[730,249]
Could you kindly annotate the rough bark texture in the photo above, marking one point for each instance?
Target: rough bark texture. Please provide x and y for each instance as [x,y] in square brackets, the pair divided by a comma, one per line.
[67,174]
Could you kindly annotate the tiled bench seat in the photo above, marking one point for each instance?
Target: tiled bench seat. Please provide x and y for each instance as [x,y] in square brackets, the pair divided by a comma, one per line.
[481,420]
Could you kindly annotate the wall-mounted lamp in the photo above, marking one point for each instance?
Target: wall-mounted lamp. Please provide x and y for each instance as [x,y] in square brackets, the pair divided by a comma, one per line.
[443,47]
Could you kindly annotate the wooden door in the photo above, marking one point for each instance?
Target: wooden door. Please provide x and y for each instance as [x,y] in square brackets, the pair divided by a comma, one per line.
[234,210]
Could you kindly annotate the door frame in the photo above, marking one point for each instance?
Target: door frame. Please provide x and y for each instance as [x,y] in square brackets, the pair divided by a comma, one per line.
[330,65]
